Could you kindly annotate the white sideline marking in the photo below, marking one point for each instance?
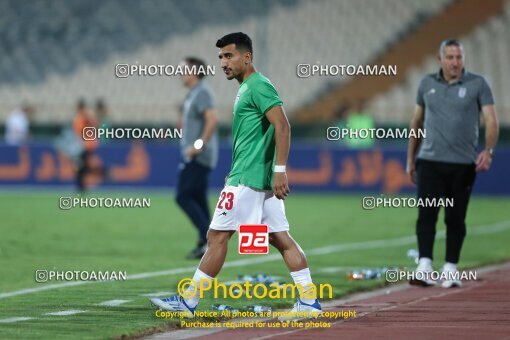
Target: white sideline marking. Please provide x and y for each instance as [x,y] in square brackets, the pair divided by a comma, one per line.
[399,241]
[113,303]
[333,269]
[158,294]
[181,334]
[16,319]
[38,289]
[66,312]
[196,332]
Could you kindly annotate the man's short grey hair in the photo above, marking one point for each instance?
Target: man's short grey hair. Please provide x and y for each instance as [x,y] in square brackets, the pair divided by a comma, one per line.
[450,42]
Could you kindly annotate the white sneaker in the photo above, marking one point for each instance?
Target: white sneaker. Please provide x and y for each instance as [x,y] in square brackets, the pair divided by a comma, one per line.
[451,284]
[174,303]
[302,310]
[452,274]
[422,273]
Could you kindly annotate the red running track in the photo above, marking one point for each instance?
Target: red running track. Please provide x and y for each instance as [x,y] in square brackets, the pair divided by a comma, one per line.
[478,310]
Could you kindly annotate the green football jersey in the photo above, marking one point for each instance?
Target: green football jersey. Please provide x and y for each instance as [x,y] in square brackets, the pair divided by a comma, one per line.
[254,147]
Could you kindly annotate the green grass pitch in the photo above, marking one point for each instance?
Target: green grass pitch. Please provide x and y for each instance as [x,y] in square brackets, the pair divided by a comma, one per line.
[36,234]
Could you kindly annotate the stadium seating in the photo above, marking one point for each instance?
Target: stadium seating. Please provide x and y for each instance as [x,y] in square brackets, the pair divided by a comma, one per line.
[486,51]
[59,51]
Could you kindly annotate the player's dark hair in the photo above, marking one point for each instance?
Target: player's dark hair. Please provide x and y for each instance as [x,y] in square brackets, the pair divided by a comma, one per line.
[240,39]
[449,42]
[200,66]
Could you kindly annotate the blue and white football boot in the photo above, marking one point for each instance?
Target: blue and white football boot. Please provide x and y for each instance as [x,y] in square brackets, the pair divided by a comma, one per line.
[303,310]
[174,303]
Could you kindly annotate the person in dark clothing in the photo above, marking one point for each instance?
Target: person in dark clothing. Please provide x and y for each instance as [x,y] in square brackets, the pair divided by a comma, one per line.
[444,164]
[199,151]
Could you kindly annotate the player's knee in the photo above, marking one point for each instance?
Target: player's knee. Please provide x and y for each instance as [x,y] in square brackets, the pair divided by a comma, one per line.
[427,220]
[457,228]
[463,232]
[274,240]
[271,239]
[182,198]
[217,238]
[280,241]
[453,223]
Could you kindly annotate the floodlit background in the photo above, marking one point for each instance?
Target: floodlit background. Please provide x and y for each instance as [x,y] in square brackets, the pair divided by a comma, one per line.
[55,53]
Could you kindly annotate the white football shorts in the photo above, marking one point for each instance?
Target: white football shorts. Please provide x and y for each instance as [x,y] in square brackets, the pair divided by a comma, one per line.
[246,205]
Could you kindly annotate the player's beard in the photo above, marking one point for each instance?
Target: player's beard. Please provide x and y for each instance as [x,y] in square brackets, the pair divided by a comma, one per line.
[230,75]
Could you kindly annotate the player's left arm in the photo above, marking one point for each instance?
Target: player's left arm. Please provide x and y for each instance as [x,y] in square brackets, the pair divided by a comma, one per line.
[278,119]
[483,163]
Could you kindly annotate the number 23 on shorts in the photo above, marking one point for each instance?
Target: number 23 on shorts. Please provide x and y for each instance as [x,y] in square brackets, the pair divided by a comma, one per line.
[226,200]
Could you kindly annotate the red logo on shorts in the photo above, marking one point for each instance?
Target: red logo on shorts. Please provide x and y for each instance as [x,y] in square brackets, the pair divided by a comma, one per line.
[253,239]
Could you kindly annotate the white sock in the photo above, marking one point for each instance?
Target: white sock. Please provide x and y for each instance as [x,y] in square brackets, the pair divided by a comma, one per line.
[426,261]
[199,275]
[424,264]
[303,278]
[450,267]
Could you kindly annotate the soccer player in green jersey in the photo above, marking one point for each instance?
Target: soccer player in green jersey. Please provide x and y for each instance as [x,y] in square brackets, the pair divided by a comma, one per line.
[257,183]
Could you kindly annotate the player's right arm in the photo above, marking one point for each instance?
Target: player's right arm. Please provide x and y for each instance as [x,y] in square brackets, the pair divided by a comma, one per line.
[414,142]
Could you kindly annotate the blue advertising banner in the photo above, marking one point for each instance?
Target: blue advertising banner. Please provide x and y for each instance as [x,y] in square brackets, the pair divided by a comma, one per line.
[312,167]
